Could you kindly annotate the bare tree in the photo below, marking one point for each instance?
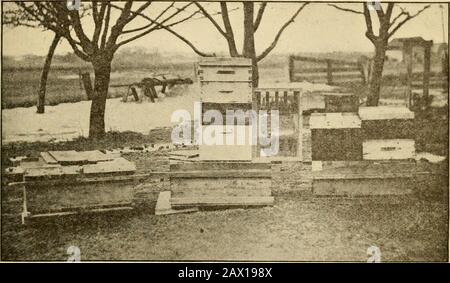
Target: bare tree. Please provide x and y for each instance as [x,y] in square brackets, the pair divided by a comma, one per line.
[250,25]
[388,25]
[17,17]
[109,34]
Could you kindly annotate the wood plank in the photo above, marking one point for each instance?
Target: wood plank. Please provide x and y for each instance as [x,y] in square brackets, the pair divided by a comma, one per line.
[118,165]
[223,192]
[94,156]
[222,174]
[199,166]
[49,159]
[223,201]
[78,197]
[108,209]
[69,157]
[217,184]
[163,206]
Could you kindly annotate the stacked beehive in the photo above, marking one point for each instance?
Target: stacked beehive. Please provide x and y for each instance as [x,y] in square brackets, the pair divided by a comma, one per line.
[226,84]
[388,132]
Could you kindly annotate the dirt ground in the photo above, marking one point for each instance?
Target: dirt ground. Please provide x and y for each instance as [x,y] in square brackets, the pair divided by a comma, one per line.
[298,227]
[295,229]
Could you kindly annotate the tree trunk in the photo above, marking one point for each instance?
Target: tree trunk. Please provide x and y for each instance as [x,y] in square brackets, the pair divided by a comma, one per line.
[44,75]
[377,73]
[249,41]
[102,72]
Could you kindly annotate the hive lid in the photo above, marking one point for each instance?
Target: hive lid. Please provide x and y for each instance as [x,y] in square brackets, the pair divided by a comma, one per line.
[225,61]
[385,113]
[334,121]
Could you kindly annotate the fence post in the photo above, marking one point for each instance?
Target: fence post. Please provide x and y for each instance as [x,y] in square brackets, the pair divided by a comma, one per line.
[329,72]
[256,106]
[426,71]
[291,68]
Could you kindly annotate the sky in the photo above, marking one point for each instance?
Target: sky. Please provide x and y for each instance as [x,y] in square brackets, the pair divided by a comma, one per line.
[318,28]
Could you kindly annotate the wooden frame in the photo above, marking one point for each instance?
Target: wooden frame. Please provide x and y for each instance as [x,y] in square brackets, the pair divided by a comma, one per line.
[407,45]
[290,102]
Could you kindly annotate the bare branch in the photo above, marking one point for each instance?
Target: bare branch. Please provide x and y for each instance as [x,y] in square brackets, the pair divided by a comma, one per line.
[160,26]
[229,29]
[211,19]
[346,9]
[408,18]
[106,26]
[98,23]
[259,16]
[277,37]
[369,33]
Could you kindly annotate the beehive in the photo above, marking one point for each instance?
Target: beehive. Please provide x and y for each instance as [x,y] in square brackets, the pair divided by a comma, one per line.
[388,132]
[225,80]
[386,122]
[226,84]
[335,136]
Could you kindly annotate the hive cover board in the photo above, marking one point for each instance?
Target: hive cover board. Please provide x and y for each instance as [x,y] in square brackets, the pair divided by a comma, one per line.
[72,157]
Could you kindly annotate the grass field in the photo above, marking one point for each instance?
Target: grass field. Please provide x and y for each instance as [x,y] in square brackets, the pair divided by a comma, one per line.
[20,86]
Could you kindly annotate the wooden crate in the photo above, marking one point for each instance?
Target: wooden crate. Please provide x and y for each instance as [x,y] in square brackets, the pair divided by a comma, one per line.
[388,149]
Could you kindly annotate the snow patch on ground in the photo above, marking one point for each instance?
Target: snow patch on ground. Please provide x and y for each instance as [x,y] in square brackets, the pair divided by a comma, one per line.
[70,120]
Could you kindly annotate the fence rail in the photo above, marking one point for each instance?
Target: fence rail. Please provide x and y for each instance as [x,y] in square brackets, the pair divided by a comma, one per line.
[330,71]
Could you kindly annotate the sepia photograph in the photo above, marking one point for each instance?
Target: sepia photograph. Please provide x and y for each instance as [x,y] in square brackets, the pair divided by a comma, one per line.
[233,131]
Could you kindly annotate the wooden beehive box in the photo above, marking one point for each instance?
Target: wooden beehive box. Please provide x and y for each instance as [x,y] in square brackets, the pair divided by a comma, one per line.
[225,79]
[335,136]
[386,122]
[225,84]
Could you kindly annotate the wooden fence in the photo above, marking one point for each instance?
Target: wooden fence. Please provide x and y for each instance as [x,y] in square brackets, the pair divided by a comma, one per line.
[329,71]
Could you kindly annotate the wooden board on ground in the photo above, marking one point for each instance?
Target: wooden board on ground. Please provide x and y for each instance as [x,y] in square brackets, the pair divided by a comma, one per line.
[163,206]
[48,158]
